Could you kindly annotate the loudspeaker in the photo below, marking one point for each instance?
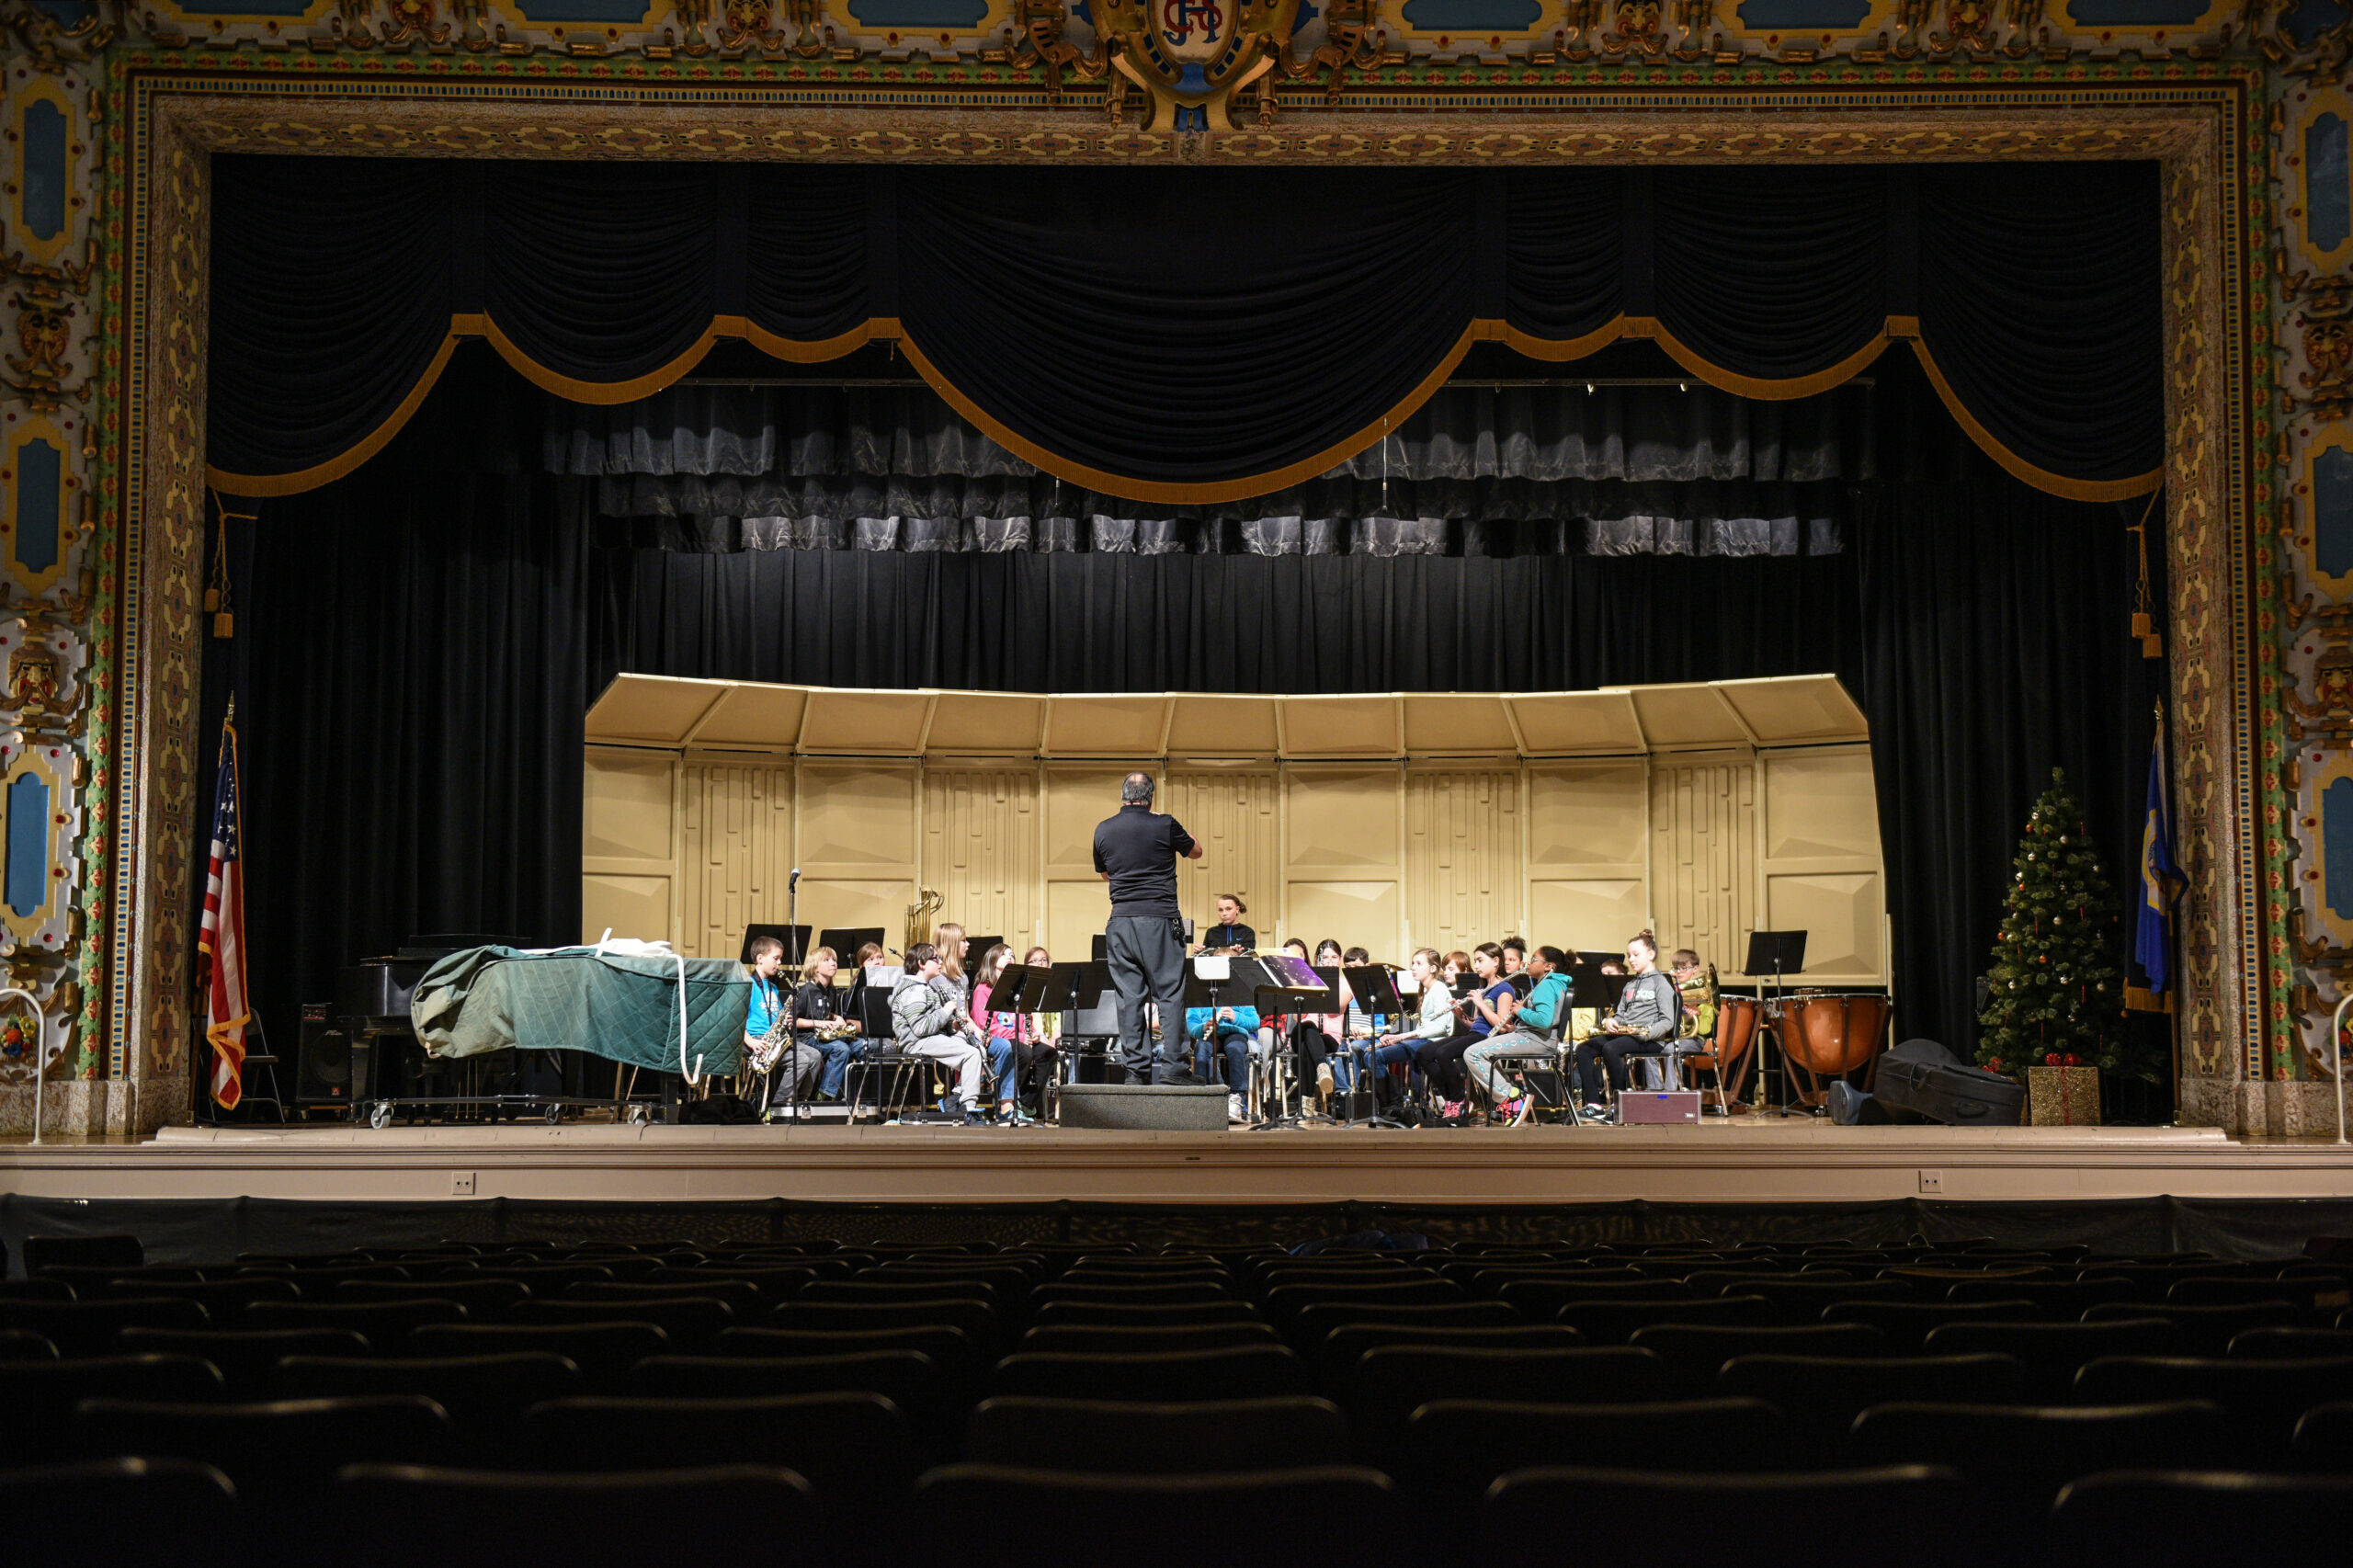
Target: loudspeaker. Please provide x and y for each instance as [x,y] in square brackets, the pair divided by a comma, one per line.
[1546,1086]
[331,1066]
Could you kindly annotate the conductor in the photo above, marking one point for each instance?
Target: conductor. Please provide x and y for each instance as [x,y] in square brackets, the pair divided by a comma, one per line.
[1136,851]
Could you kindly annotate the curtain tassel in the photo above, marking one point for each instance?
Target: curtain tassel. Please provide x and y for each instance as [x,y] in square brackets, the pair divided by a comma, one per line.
[2144,620]
[216,589]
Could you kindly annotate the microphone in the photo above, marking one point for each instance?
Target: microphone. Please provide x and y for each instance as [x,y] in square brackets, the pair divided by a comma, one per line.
[796,874]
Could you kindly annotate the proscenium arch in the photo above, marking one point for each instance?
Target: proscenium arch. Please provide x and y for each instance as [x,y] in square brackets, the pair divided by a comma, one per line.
[2198,122]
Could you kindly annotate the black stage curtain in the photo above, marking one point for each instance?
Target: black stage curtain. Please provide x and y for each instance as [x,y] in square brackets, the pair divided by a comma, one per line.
[1189,335]
[422,640]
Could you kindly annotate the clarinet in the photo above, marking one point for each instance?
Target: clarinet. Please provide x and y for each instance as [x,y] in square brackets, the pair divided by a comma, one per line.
[948,990]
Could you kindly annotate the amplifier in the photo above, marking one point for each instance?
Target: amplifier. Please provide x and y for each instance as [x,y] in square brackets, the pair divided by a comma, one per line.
[333,1060]
[1671,1107]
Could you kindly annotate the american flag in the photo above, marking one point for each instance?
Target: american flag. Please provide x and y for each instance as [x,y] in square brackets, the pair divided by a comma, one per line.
[222,937]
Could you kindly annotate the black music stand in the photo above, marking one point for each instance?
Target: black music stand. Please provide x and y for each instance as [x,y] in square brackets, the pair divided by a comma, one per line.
[795,941]
[1374,989]
[1294,985]
[1238,989]
[1784,952]
[979,949]
[846,939]
[1077,990]
[1020,990]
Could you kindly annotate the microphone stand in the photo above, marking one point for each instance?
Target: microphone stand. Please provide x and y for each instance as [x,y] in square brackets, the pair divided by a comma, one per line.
[795,1107]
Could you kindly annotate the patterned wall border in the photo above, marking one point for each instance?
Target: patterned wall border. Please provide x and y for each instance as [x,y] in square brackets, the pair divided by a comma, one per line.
[2201,118]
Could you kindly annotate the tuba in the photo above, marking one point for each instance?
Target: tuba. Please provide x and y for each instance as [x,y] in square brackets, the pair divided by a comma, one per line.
[919,916]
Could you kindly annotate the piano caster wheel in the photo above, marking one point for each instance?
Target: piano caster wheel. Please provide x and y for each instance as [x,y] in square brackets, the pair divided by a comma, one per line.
[639,1115]
[380,1115]
[554,1115]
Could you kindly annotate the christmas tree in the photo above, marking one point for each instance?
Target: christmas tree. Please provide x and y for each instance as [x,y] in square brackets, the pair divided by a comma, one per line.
[2057,994]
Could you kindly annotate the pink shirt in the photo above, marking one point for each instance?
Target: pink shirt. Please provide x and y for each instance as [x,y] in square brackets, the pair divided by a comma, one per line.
[997,1026]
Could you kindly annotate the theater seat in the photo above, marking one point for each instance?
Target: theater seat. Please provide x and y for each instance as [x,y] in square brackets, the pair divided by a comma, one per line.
[463,1519]
[2260,1399]
[1453,1449]
[1237,1372]
[109,1513]
[2158,1517]
[245,1356]
[1693,1351]
[485,1395]
[281,1455]
[2024,1454]
[1917,1516]
[603,1351]
[1113,1438]
[40,1396]
[1330,1514]
[1821,1395]
[1391,1381]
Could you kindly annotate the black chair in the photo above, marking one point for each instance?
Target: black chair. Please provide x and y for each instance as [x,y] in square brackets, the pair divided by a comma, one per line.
[1693,1351]
[1541,1296]
[386,1325]
[281,1455]
[1919,1515]
[1389,1382]
[603,1351]
[1285,1302]
[40,1396]
[225,1301]
[1453,1449]
[852,1446]
[950,1348]
[1148,1295]
[1822,1395]
[1801,1300]
[908,1378]
[247,1356]
[485,1300]
[1904,1326]
[1096,1338]
[744,1298]
[463,1519]
[978,1320]
[1337,1354]
[1314,1323]
[1244,1371]
[2059,1299]
[1195,1437]
[1328,1513]
[104,1513]
[692,1323]
[485,1396]
[2185,1515]
[2260,1399]
[2025,1453]
[88,1328]
[2323,1439]
[2207,1330]
[550,1278]
[83,1252]
[1613,1321]
[1119,1314]
[2051,1351]
[22,1345]
[2292,1344]
[2311,1294]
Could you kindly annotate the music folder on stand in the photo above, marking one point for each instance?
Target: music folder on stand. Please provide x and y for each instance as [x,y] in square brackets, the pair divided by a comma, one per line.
[1783,953]
[1286,984]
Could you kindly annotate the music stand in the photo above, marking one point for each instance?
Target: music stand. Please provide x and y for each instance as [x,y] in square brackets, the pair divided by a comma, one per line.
[794,939]
[1077,990]
[1020,989]
[1292,985]
[1784,952]
[846,939]
[1374,989]
[979,947]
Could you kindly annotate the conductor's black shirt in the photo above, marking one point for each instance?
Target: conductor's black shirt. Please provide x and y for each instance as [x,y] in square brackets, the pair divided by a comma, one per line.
[1138,850]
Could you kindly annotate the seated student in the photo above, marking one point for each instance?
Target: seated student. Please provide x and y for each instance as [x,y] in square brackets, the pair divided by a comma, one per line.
[1317,1037]
[771,1015]
[1039,1031]
[1698,986]
[874,963]
[1226,1035]
[1648,1012]
[1004,1033]
[1487,1004]
[1430,1039]
[815,1005]
[1547,1001]
[1229,934]
[928,1016]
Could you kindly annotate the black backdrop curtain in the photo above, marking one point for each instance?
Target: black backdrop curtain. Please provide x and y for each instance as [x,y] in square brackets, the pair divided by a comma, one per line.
[420,641]
[1190,334]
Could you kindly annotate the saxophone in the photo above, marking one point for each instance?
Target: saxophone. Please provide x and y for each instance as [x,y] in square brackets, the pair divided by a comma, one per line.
[769,1047]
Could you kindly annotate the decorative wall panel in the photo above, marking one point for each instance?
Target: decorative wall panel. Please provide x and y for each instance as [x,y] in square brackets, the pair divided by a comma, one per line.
[981,850]
[736,853]
[1703,856]
[1464,877]
[1236,817]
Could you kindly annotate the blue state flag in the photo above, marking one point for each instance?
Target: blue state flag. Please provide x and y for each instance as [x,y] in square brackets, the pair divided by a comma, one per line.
[2160,878]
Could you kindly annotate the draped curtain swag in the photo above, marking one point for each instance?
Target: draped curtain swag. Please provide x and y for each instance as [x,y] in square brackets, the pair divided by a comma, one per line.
[1188,335]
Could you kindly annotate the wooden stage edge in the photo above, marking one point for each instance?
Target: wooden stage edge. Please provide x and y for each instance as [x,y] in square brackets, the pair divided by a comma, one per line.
[1775,1162]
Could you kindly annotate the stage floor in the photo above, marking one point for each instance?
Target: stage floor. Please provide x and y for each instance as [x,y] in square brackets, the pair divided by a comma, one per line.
[1760,1161]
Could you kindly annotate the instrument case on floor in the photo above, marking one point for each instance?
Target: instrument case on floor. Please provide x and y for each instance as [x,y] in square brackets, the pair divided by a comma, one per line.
[1923,1077]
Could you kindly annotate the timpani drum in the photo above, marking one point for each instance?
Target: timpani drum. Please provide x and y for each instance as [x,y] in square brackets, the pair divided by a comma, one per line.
[1736,1036]
[1830,1034]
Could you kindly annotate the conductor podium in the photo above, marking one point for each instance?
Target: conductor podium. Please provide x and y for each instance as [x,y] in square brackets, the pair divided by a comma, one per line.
[1143,1107]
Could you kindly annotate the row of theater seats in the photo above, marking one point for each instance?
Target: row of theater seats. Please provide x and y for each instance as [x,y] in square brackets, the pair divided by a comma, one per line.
[1054,1404]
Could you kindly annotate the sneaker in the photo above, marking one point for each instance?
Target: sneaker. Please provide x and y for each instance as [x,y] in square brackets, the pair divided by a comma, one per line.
[1504,1113]
[1183,1078]
[1235,1110]
[1593,1113]
[974,1119]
